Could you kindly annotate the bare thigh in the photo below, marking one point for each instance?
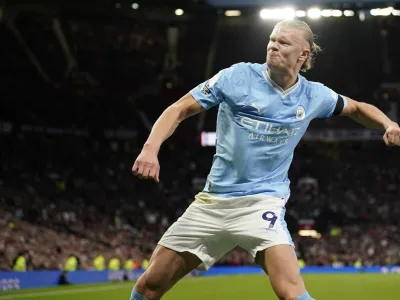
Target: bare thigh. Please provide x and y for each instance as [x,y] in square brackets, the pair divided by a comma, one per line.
[281,265]
[166,268]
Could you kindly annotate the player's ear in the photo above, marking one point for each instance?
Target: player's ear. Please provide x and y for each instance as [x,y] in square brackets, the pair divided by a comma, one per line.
[305,54]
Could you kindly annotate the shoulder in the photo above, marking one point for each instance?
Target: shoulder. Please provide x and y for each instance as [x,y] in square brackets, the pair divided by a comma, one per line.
[251,67]
[311,86]
[238,74]
[317,89]
[245,71]
[245,67]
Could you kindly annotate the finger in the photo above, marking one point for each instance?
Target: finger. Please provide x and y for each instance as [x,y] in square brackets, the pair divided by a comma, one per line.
[385,139]
[397,140]
[392,139]
[389,139]
[135,167]
[158,175]
[146,172]
[140,169]
[152,173]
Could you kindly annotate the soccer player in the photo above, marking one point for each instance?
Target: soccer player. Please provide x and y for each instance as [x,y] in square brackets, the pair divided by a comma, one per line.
[264,110]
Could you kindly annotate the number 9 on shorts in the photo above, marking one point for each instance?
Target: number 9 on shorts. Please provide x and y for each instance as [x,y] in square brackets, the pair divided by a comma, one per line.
[271,217]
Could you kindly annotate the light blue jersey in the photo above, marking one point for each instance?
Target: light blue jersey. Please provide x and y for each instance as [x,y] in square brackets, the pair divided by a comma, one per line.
[258,128]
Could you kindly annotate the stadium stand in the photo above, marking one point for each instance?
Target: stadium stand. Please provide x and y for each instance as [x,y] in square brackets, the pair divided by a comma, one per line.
[65,175]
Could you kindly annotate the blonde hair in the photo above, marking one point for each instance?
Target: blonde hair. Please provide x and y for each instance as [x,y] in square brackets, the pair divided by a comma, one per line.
[309,37]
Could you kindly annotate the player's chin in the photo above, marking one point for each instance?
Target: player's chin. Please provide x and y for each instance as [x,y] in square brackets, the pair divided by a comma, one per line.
[274,65]
[272,60]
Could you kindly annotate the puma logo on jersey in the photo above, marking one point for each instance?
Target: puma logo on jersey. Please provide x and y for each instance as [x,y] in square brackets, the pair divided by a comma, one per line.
[256,107]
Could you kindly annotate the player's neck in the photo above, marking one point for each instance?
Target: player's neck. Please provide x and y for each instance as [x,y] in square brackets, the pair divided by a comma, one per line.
[284,80]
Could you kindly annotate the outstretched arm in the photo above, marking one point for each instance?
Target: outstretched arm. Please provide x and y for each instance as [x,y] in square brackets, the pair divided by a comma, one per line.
[147,165]
[170,119]
[371,117]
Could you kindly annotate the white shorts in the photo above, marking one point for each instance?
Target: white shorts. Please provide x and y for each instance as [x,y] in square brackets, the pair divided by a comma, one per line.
[212,226]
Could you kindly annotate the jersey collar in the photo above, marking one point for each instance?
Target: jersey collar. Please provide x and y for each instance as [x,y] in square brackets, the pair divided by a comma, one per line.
[277,88]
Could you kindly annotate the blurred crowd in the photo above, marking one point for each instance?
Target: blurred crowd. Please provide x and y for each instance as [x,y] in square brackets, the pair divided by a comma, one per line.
[58,198]
[371,245]
[65,166]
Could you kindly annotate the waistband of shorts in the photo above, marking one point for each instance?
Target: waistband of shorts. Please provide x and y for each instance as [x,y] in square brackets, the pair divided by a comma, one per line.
[243,201]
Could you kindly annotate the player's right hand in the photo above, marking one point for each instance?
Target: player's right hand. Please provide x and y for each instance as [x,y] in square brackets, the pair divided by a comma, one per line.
[392,135]
[147,166]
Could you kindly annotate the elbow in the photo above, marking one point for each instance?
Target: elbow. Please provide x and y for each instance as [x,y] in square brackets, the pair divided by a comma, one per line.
[182,115]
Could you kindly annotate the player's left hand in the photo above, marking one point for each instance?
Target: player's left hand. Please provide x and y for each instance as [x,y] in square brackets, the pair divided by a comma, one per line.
[392,135]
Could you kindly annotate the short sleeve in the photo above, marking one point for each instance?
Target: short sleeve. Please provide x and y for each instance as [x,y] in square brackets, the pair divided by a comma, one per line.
[330,103]
[215,90]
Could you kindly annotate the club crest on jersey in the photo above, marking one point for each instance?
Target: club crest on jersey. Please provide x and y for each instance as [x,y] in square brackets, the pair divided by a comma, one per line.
[301,113]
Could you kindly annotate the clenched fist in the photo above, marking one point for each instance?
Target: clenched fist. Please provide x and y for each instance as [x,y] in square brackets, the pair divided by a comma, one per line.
[392,135]
[147,166]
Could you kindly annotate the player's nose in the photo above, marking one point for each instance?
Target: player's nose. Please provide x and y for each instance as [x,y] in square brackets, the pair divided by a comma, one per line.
[272,48]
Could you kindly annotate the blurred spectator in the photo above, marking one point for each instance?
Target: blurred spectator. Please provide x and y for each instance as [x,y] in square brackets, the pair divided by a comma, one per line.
[67,196]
